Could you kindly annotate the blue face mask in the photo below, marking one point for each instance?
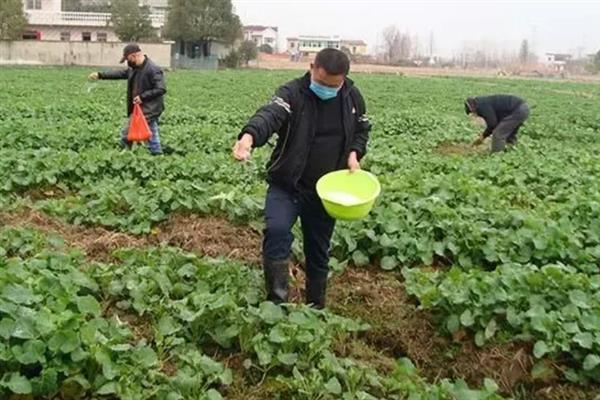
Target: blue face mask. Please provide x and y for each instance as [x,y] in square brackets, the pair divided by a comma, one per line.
[323,92]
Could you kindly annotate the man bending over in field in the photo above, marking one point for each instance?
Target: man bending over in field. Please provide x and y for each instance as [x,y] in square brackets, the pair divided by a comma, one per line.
[321,126]
[503,115]
[145,86]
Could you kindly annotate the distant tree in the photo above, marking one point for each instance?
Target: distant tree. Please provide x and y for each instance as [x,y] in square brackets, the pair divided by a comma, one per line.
[596,61]
[398,46]
[71,5]
[248,51]
[524,52]
[202,20]
[405,46]
[12,19]
[391,42]
[266,48]
[86,5]
[131,21]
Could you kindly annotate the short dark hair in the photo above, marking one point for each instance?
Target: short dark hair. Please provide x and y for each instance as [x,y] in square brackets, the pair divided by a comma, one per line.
[470,105]
[333,61]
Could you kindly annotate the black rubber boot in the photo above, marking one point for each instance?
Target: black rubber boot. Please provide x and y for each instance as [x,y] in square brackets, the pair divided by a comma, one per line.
[316,289]
[276,279]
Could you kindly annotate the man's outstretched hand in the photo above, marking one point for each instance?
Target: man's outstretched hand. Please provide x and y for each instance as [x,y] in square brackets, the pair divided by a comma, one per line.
[242,150]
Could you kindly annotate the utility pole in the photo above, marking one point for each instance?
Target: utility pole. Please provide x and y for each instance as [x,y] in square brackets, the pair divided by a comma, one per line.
[431,42]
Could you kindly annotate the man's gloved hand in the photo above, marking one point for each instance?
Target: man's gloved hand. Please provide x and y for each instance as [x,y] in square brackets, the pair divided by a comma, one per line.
[94,76]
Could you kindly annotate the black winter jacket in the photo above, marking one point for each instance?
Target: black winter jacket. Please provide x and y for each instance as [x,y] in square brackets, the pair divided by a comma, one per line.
[292,115]
[495,108]
[150,83]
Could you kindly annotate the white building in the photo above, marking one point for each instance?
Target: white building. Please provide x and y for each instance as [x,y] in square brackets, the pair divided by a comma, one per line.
[557,61]
[262,35]
[47,21]
[355,47]
[310,45]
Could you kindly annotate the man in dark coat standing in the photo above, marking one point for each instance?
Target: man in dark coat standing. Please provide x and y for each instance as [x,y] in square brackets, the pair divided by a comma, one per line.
[145,86]
[321,124]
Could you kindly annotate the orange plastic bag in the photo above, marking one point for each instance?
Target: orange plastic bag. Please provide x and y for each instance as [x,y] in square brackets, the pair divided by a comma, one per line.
[139,131]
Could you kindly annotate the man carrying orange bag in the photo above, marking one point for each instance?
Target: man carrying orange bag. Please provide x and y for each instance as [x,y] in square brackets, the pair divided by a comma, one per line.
[146,87]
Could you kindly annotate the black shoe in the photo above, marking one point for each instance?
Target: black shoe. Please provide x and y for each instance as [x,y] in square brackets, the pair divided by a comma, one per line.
[276,279]
[168,150]
[125,144]
[316,289]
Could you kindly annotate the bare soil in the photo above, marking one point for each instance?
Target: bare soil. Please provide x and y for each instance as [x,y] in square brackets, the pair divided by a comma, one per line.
[460,149]
[210,236]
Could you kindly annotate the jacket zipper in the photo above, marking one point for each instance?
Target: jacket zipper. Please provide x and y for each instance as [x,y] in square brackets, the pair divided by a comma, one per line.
[282,147]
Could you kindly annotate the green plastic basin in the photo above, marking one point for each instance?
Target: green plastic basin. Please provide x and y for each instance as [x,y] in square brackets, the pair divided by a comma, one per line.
[348,196]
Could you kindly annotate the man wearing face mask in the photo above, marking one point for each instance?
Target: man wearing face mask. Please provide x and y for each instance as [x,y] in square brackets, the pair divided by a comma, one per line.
[321,124]
[145,86]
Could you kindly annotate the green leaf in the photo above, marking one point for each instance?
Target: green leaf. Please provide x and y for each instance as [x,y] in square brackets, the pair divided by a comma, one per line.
[298,318]
[439,248]
[584,339]
[46,383]
[490,385]
[108,388]
[467,319]
[31,352]
[270,312]
[333,386]
[453,323]
[212,394]
[480,338]
[388,263]
[168,326]
[491,329]
[288,359]
[360,259]
[24,329]
[64,341]
[88,305]
[277,335]
[591,361]
[512,316]
[540,349]
[226,377]
[88,333]
[145,356]
[19,294]
[108,369]
[579,298]
[7,327]
[18,384]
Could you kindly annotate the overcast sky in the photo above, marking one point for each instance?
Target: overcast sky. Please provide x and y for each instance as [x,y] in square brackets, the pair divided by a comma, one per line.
[552,26]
